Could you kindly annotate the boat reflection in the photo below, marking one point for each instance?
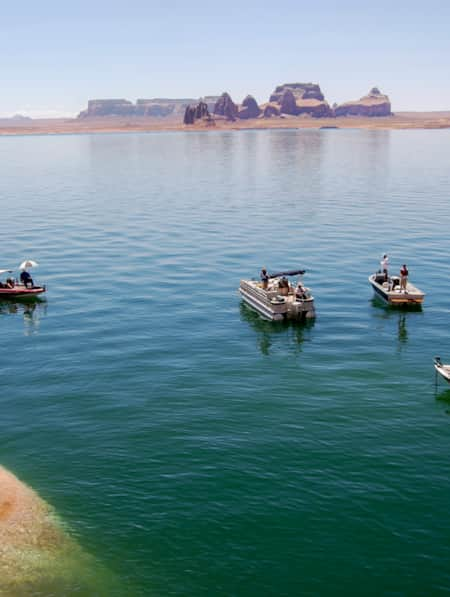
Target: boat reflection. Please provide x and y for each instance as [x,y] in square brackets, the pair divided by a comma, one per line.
[272,334]
[31,312]
[385,312]
[442,395]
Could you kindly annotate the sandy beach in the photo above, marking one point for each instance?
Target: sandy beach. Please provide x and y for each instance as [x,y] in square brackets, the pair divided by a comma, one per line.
[401,120]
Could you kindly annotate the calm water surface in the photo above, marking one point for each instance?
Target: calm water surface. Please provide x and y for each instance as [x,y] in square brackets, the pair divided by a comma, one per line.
[191,447]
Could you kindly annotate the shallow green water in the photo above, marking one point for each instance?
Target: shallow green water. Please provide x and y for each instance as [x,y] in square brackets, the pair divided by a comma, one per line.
[192,448]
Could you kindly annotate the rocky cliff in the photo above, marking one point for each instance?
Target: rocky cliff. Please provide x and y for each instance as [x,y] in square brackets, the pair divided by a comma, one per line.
[372,104]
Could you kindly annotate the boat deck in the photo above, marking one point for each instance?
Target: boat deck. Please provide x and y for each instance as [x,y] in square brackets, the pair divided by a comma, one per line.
[391,292]
[277,303]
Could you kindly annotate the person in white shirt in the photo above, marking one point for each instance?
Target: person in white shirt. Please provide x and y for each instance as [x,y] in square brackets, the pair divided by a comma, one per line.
[384,266]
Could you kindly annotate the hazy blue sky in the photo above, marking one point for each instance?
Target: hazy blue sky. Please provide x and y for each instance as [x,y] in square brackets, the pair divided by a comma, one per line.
[54,57]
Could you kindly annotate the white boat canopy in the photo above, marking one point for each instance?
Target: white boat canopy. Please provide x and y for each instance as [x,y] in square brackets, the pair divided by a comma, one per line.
[28,263]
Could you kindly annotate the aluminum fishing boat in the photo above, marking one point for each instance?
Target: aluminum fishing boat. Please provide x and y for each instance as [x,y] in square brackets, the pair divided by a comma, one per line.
[280,299]
[390,292]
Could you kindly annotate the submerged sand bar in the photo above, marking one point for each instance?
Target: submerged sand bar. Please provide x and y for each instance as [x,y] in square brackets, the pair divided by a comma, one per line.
[37,554]
[113,124]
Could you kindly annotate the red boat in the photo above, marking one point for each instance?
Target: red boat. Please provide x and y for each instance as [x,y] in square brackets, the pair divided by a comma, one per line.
[13,289]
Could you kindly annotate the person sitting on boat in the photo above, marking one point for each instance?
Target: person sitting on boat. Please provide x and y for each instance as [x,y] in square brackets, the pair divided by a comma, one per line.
[403,277]
[26,279]
[264,278]
[300,291]
[10,283]
[283,286]
[384,266]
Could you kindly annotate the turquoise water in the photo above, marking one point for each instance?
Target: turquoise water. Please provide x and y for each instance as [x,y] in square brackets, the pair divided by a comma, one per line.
[192,448]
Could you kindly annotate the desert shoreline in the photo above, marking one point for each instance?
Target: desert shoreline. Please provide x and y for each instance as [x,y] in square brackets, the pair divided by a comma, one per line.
[399,121]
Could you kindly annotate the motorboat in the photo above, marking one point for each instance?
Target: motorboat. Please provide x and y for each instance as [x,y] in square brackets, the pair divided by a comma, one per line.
[388,288]
[14,288]
[443,370]
[280,299]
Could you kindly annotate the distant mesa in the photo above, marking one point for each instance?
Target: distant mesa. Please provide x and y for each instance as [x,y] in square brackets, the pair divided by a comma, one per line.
[21,118]
[372,104]
[107,107]
[152,108]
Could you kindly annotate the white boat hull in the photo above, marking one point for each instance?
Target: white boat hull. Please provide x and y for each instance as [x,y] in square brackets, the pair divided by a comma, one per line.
[391,293]
[443,370]
[274,307]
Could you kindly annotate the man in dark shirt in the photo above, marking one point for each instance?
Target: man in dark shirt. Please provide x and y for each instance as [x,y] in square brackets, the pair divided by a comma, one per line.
[26,279]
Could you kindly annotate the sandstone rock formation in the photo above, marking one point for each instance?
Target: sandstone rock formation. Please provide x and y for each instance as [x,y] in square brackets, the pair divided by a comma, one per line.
[372,104]
[226,107]
[288,104]
[249,108]
[37,556]
[271,110]
[193,113]
[301,98]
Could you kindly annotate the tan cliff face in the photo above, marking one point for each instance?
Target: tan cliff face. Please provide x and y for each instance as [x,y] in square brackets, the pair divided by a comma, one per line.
[37,556]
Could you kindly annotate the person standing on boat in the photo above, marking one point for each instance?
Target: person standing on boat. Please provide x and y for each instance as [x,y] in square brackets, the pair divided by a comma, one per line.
[384,266]
[26,279]
[404,273]
[264,278]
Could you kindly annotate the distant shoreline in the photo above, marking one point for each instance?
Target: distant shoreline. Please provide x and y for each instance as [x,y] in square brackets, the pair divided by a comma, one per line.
[399,121]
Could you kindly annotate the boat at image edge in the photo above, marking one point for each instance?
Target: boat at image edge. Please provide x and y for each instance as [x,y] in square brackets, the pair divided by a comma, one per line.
[443,370]
[391,292]
[19,290]
[281,300]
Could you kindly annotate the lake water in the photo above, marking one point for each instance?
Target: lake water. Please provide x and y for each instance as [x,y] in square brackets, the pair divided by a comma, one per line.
[192,448]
